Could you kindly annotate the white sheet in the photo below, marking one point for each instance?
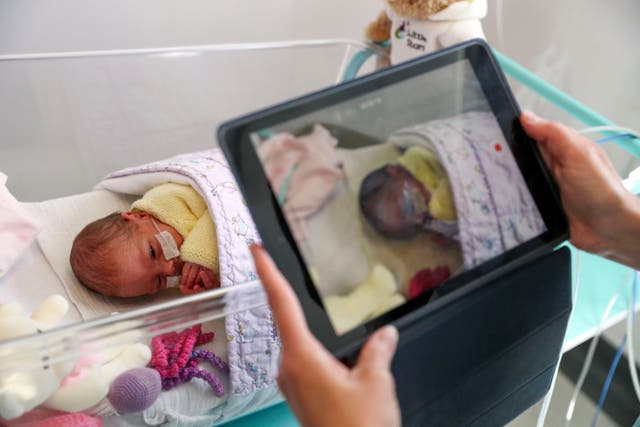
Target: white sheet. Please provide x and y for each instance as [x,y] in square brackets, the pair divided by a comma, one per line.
[61,220]
[31,280]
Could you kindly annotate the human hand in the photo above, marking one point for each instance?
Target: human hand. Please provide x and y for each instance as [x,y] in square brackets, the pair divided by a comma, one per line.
[196,278]
[320,390]
[604,218]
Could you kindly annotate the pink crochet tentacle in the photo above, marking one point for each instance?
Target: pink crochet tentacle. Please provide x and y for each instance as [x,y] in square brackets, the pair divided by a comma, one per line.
[174,356]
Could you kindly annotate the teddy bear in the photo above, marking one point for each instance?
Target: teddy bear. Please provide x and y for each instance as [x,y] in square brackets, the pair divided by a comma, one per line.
[90,385]
[99,376]
[418,27]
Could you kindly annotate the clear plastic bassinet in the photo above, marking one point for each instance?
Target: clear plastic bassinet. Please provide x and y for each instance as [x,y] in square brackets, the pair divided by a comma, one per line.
[68,119]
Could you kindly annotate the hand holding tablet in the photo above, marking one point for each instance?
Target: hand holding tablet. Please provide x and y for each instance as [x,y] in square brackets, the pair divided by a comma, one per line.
[320,390]
[604,217]
[386,196]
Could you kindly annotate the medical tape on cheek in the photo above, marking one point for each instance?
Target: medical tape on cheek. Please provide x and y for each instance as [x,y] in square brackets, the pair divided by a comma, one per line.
[169,251]
[167,243]
[173,282]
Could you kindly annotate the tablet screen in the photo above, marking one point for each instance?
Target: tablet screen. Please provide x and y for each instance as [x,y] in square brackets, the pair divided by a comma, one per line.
[431,177]
[400,187]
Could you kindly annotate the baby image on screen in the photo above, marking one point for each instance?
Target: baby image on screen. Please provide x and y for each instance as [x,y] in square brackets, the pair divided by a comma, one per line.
[456,177]
[379,222]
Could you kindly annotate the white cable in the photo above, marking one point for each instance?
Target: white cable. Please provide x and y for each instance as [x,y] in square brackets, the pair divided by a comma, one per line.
[547,398]
[577,280]
[600,129]
[631,358]
[590,353]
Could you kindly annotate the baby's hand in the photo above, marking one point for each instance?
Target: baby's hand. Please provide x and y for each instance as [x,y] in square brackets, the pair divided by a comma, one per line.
[196,278]
[207,279]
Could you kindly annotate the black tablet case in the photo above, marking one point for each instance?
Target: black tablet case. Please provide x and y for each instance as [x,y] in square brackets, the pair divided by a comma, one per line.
[491,354]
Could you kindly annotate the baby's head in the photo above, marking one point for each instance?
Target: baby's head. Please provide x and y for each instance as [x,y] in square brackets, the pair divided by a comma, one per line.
[120,256]
[394,202]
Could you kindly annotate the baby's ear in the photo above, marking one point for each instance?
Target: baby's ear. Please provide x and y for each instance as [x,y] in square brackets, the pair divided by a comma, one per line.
[133,216]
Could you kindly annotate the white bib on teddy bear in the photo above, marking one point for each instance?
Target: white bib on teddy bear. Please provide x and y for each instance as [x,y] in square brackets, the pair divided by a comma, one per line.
[411,38]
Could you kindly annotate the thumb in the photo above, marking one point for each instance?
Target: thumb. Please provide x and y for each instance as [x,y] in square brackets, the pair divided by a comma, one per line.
[533,125]
[555,140]
[555,136]
[379,349]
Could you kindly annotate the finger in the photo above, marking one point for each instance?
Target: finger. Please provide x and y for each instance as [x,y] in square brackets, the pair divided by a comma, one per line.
[379,349]
[186,291]
[556,141]
[206,279]
[534,126]
[184,274]
[284,304]
[191,276]
[283,384]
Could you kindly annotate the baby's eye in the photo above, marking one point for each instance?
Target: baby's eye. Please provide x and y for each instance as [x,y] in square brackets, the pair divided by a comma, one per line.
[152,252]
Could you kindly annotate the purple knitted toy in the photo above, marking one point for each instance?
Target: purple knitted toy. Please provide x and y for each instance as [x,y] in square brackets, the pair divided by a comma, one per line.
[135,390]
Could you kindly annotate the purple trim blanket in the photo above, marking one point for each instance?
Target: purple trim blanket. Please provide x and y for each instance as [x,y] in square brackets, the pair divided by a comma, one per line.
[253,343]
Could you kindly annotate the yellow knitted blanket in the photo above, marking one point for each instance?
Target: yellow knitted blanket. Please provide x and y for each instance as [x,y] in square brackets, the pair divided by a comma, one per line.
[184,209]
[427,169]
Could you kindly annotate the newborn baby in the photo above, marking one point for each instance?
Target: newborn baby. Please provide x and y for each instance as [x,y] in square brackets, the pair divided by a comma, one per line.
[167,240]
[400,200]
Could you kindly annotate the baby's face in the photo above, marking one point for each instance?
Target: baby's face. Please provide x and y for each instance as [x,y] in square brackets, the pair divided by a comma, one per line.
[144,270]
[398,206]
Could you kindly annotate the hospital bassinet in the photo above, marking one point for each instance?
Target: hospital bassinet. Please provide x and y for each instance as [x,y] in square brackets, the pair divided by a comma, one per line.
[69,119]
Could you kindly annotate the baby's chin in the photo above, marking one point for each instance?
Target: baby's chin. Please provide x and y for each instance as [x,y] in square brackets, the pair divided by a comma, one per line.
[128,293]
[400,229]
[395,224]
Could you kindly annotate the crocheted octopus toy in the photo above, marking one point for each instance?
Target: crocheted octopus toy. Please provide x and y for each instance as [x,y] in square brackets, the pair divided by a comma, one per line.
[418,27]
[176,359]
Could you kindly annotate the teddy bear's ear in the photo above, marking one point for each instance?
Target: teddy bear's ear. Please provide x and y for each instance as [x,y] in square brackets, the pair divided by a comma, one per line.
[380,29]
[51,311]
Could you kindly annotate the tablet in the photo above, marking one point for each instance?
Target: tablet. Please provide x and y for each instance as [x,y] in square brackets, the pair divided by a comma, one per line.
[393,193]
